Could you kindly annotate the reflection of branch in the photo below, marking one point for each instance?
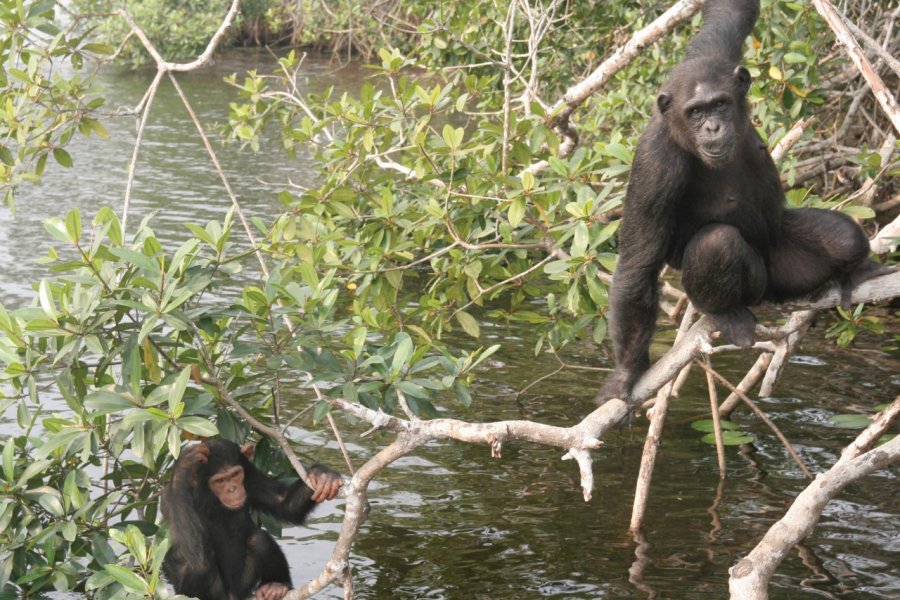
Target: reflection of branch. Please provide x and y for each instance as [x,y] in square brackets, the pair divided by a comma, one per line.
[657,418]
[750,577]
[144,110]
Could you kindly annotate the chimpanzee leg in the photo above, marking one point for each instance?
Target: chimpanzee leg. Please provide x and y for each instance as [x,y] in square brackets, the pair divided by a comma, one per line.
[265,560]
[816,246]
[723,275]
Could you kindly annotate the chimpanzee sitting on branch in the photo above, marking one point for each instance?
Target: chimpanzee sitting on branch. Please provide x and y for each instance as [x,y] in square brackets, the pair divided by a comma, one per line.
[705,197]
[218,551]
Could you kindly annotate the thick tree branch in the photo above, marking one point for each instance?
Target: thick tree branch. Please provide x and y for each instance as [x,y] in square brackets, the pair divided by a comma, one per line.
[750,577]
[579,440]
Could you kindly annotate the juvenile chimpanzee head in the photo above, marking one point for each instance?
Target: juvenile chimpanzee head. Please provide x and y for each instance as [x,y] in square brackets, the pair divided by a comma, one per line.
[223,474]
[705,109]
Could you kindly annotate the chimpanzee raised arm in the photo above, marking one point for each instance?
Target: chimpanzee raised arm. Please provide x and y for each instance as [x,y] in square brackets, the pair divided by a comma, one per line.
[218,551]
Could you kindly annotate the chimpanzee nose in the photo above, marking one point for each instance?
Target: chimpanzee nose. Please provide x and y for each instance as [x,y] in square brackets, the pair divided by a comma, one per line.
[712,127]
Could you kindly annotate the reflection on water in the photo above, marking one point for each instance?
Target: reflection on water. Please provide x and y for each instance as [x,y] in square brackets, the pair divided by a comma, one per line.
[450,522]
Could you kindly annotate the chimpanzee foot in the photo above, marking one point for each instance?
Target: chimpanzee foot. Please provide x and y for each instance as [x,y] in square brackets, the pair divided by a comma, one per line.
[737,326]
[868,270]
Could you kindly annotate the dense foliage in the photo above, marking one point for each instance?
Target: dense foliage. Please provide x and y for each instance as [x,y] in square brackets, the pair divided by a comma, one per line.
[426,219]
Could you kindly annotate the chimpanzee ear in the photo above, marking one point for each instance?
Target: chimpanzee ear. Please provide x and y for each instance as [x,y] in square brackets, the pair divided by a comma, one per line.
[664,101]
[742,78]
[248,450]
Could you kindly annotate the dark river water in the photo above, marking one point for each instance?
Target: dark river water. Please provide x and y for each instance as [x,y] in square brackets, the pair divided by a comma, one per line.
[449,521]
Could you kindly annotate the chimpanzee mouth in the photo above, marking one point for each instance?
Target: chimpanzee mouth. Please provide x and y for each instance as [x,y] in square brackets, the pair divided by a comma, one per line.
[235,505]
[716,154]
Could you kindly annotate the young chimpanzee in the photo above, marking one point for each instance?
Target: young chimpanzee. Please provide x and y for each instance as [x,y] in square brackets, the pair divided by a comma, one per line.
[218,552]
[705,197]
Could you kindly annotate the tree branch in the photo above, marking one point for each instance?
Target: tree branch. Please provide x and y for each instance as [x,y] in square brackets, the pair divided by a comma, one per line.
[576,95]
[750,577]
[835,20]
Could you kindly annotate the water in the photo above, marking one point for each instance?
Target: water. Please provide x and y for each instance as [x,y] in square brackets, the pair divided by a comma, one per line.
[449,521]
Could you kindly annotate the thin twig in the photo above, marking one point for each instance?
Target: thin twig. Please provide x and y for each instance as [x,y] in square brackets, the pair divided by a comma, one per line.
[222,176]
[144,109]
[762,415]
[714,410]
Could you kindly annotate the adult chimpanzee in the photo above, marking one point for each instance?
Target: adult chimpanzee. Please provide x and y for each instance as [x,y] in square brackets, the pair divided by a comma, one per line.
[705,197]
[218,552]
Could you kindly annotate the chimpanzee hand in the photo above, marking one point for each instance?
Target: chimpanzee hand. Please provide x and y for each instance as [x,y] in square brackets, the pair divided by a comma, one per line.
[272,591]
[186,467]
[325,482]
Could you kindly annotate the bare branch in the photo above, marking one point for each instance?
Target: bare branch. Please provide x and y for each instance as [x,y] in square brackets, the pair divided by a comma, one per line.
[750,577]
[621,58]
[835,20]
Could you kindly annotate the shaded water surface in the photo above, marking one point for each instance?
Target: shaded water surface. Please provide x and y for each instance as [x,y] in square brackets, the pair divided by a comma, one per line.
[449,521]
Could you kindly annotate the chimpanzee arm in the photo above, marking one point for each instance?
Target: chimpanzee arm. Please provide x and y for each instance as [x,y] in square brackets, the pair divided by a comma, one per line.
[287,502]
[188,564]
[187,529]
[194,576]
[657,183]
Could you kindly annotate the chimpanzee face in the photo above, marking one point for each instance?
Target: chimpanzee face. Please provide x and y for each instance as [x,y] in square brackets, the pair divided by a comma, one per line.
[705,113]
[228,486]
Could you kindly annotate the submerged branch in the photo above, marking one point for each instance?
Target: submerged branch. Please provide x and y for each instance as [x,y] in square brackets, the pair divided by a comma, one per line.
[750,577]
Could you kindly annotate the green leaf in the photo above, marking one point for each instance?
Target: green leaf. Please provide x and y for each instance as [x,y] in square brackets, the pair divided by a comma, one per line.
[105,401]
[62,157]
[580,239]
[527,181]
[858,212]
[73,224]
[453,137]
[462,393]
[178,387]
[127,578]
[556,266]
[793,58]
[57,228]
[468,323]
[97,48]
[45,298]
[137,259]
[198,426]
[729,438]
[322,408]
[6,157]
[850,421]
[516,211]
[708,425]
[619,151]
[36,467]
[8,460]
[403,352]
[51,502]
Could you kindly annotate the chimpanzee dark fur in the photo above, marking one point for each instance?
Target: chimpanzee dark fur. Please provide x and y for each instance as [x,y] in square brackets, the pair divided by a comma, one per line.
[220,553]
[705,197]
